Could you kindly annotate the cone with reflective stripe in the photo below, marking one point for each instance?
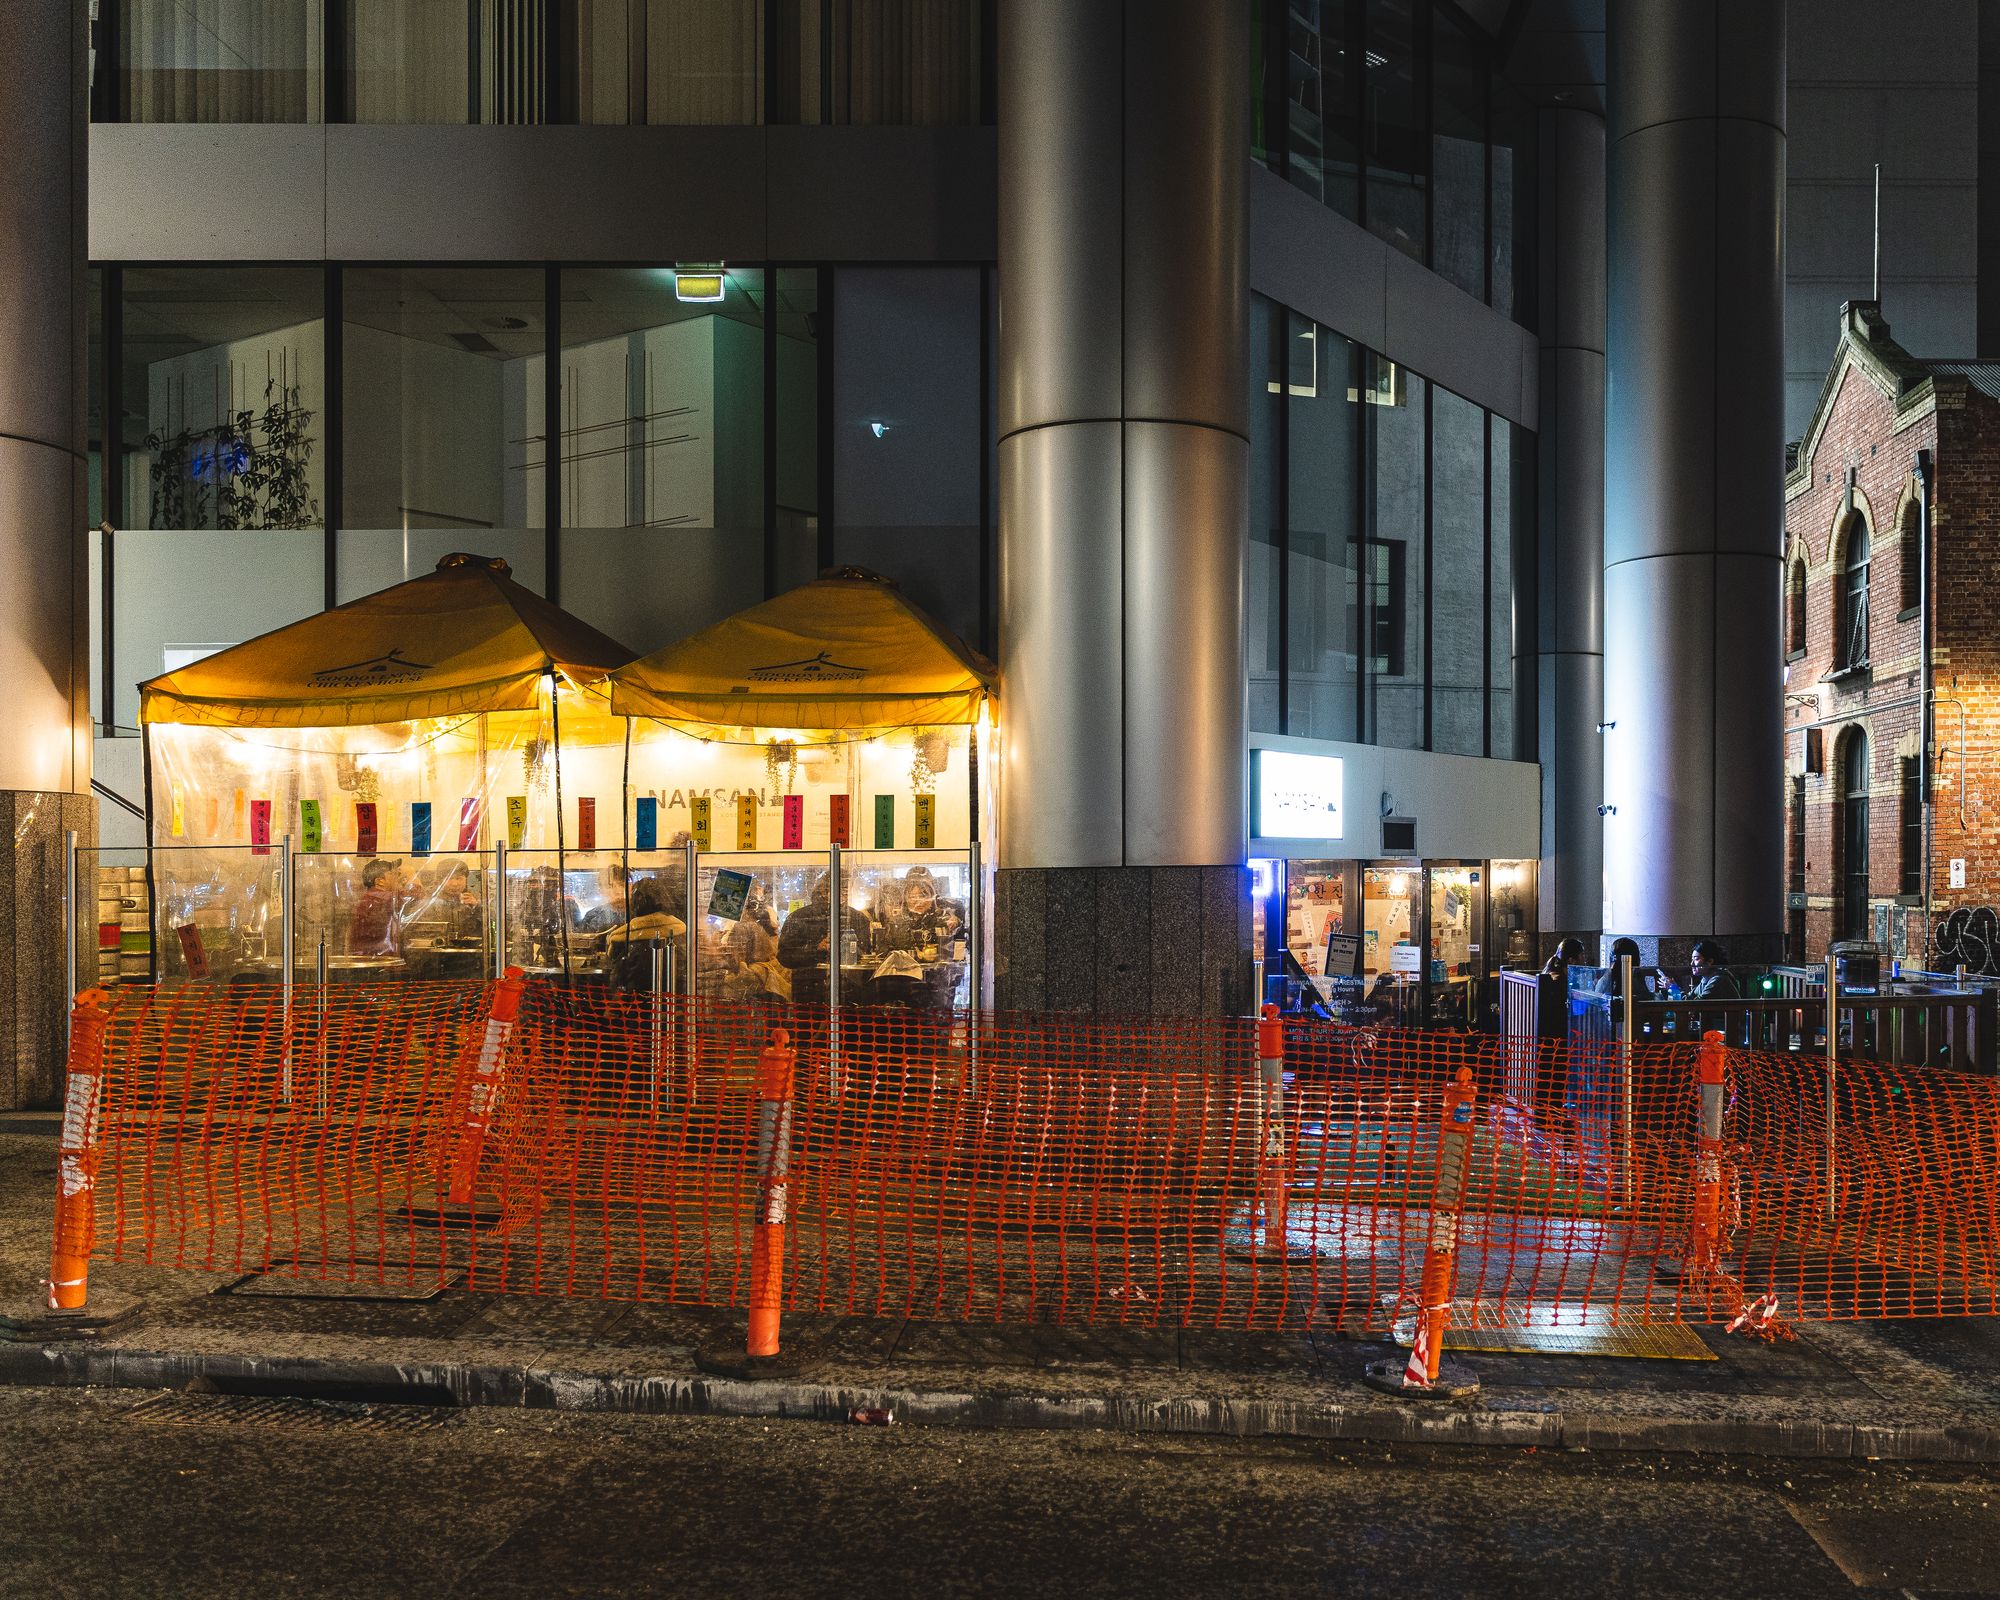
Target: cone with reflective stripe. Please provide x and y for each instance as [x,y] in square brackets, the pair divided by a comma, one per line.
[478,1098]
[61,1312]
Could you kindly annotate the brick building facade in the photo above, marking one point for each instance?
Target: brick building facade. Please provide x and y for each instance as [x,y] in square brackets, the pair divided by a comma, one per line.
[1864,856]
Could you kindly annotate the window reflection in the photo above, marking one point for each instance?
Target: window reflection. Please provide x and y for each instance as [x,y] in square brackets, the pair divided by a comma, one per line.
[662,439]
[444,433]
[219,61]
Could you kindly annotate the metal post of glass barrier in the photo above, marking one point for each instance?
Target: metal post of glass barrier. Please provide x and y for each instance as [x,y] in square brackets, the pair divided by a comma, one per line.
[1832,1065]
[499,895]
[693,898]
[319,1037]
[1626,1033]
[287,956]
[656,1031]
[975,950]
[836,927]
[70,922]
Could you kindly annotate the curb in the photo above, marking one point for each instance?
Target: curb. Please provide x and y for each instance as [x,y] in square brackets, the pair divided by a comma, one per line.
[1496,1424]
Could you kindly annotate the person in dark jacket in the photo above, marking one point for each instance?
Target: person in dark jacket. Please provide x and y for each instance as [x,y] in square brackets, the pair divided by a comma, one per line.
[1708,975]
[805,944]
[1569,953]
[1609,982]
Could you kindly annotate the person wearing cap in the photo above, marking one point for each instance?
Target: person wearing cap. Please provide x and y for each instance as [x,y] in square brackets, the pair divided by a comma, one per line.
[805,944]
[376,928]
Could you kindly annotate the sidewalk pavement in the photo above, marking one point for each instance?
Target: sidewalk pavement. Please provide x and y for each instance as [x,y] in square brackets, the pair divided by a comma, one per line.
[1913,1390]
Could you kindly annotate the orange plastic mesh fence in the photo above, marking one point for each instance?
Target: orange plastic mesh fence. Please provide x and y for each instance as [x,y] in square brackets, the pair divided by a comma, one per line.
[1045,1168]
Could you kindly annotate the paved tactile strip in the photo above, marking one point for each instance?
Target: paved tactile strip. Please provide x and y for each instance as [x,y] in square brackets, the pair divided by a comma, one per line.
[226,1410]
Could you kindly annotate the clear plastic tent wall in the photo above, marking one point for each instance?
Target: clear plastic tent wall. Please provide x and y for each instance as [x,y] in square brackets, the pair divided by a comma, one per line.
[387,823]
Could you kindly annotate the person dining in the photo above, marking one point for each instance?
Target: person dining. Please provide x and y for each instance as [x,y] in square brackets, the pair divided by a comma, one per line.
[805,943]
[376,928]
[914,917]
[629,945]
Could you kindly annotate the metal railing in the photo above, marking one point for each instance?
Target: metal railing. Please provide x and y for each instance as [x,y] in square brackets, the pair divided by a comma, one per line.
[1954,1029]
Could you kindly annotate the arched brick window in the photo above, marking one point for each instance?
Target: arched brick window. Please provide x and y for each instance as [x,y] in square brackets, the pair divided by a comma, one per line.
[1795,609]
[1910,560]
[1851,792]
[1851,595]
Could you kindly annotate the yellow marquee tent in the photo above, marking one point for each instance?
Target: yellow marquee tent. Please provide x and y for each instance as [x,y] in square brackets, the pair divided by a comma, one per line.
[845,657]
[461,640]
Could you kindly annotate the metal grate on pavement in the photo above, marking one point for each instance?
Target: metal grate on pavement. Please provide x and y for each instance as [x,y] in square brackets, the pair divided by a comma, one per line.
[1538,1328]
[292,1411]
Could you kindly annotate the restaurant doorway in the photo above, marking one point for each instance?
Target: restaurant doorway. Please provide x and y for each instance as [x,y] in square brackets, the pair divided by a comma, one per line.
[1410,943]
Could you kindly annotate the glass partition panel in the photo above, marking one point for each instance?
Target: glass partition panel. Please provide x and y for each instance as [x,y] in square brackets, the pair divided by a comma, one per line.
[912,947]
[218,914]
[393,915]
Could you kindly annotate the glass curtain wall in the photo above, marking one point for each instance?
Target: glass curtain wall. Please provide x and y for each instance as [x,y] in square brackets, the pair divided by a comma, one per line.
[454,61]
[1458,575]
[1390,521]
[217,60]
[662,446]
[1325,552]
[1263,582]
[680,61]
[219,448]
[1458,155]
[906,435]
[443,436]
[1394,559]
[1391,113]
[710,63]
[269,441]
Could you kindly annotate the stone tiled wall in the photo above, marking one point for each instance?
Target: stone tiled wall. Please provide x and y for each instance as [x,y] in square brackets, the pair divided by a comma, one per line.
[31,974]
[1158,941]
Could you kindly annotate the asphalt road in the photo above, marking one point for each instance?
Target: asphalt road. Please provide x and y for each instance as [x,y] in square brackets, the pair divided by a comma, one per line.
[100,1497]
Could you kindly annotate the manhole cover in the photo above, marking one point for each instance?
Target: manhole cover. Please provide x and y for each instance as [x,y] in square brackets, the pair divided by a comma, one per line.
[288,1411]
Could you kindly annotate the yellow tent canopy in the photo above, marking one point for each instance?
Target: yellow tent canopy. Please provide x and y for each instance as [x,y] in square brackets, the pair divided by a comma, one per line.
[458,641]
[846,654]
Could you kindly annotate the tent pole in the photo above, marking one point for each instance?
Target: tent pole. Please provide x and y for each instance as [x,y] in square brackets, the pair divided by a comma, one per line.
[562,880]
[153,923]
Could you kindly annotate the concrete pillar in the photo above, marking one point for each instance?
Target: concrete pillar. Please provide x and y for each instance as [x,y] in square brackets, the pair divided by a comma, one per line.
[44,506]
[1694,473]
[1569,608]
[1123,460]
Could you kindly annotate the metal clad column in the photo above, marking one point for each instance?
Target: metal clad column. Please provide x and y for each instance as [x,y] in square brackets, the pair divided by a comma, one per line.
[1570,558]
[1694,454]
[1123,447]
[44,497]
[44,508]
